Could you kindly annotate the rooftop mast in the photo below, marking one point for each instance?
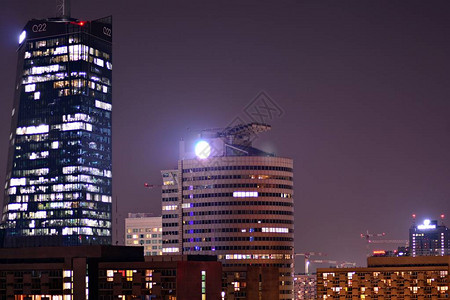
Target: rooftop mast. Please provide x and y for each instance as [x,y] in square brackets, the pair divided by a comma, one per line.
[63,9]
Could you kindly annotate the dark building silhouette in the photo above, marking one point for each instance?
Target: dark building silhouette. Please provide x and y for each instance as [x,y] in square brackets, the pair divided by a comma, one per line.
[121,272]
[106,273]
[58,180]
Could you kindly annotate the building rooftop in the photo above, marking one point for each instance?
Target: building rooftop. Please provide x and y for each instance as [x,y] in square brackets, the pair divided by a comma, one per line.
[142,215]
[229,141]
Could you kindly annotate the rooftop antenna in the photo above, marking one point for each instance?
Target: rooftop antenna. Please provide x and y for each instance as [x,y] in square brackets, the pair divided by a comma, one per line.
[117,226]
[63,9]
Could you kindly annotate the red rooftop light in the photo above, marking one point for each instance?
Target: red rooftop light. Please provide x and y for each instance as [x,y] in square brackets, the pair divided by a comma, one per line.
[81,23]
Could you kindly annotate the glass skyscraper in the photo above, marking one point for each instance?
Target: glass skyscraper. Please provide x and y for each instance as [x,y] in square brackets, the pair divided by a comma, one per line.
[59,174]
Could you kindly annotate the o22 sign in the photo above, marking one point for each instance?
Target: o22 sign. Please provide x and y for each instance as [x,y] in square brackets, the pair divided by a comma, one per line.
[39,27]
[107,31]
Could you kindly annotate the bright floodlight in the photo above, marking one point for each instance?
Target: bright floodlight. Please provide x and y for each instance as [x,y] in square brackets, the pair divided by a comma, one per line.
[22,36]
[426,222]
[202,149]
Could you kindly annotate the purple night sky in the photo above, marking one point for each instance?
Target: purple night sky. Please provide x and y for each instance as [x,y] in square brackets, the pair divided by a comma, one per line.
[364,86]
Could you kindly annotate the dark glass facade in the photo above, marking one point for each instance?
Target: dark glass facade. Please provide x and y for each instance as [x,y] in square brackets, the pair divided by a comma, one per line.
[429,239]
[59,173]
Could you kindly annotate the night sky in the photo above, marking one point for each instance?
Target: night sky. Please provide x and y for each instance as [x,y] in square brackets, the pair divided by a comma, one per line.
[363,87]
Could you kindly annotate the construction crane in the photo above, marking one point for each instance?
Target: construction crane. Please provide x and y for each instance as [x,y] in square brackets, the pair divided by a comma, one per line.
[152,186]
[404,242]
[307,255]
[369,239]
[340,264]
[367,236]
[346,264]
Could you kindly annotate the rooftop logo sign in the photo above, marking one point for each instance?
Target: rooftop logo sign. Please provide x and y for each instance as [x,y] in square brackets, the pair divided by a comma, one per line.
[426,225]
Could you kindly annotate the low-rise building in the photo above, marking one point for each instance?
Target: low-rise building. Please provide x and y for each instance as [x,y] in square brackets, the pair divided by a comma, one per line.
[143,229]
[305,286]
[106,273]
[423,277]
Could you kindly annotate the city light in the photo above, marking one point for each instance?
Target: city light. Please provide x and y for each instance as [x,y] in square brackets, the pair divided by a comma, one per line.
[202,149]
[22,36]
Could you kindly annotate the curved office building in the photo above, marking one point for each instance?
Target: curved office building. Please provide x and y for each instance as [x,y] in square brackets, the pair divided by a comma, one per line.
[236,202]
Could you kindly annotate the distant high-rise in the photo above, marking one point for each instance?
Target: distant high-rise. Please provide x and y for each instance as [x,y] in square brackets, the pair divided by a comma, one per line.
[229,199]
[143,229]
[58,180]
[429,238]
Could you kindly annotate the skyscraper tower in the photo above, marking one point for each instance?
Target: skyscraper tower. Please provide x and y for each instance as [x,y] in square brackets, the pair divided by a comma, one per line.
[429,239]
[58,180]
[229,199]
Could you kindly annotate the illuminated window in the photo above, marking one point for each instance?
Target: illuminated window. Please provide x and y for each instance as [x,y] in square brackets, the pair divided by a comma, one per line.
[46,69]
[275,229]
[110,275]
[170,207]
[73,126]
[103,105]
[245,194]
[78,52]
[30,88]
[76,117]
[99,62]
[17,206]
[38,155]
[203,285]
[171,250]
[17,181]
[60,50]
[32,129]
[129,274]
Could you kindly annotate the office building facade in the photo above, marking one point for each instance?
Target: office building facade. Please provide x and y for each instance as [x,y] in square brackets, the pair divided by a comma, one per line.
[58,179]
[429,238]
[305,287]
[422,277]
[144,230]
[229,199]
[106,273]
